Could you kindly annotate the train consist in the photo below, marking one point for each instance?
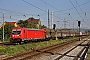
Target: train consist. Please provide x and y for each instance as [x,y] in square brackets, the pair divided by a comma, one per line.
[19,35]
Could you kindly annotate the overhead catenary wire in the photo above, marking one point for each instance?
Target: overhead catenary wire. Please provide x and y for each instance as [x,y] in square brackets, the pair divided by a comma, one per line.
[78,5]
[12,14]
[39,8]
[81,9]
[17,13]
[52,6]
[75,9]
[34,6]
[55,8]
[75,6]
[83,12]
[58,10]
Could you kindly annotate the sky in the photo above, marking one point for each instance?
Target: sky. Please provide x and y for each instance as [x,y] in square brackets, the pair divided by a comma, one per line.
[70,11]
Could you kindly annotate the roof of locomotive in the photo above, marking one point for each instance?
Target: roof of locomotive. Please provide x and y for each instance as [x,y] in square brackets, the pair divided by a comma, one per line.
[33,29]
[27,28]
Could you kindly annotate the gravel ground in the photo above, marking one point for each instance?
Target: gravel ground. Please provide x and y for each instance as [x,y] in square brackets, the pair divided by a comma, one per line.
[69,56]
[2,56]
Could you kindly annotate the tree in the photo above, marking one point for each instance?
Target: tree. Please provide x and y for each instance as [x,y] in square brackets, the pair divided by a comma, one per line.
[20,23]
[43,26]
[0,33]
[7,30]
[26,23]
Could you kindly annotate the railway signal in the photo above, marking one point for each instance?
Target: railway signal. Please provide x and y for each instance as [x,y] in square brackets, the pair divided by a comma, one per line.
[79,22]
[54,26]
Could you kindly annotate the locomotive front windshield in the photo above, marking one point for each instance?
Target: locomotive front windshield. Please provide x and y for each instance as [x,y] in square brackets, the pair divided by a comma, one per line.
[16,31]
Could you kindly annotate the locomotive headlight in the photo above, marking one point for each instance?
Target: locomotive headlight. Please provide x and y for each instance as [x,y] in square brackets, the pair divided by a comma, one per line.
[13,35]
[17,35]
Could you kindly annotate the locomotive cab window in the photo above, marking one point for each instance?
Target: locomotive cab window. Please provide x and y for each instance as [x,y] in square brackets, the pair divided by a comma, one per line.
[16,32]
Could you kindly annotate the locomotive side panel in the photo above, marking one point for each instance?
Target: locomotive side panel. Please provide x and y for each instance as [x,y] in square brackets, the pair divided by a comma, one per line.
[36,34]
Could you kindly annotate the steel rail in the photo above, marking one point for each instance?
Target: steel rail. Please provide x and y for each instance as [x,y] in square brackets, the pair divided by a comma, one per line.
[68,51]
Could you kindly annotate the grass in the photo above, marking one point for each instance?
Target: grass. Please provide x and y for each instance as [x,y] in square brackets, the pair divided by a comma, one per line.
[88,53]
[12,50]
[5,40]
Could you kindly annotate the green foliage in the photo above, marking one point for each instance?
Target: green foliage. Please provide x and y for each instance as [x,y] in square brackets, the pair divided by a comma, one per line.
[0,34]
[25,23]
[43,26]
[7,30]
[21,23]
[11,50]
[88,54]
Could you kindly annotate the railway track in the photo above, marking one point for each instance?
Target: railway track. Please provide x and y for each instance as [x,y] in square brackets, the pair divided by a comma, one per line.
[36,52]
[77,56]
[72,53]
[6,43]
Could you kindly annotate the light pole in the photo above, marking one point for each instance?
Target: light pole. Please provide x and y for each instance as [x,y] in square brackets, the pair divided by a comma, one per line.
[39,22]
[65,23]
[3,27]
[58,24]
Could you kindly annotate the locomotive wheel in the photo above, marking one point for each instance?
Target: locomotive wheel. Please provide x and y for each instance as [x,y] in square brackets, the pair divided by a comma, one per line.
[25,41]
[11,41]
[20,41]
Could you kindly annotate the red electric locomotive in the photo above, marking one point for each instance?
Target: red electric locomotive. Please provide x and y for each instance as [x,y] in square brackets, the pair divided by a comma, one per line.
[26,34]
